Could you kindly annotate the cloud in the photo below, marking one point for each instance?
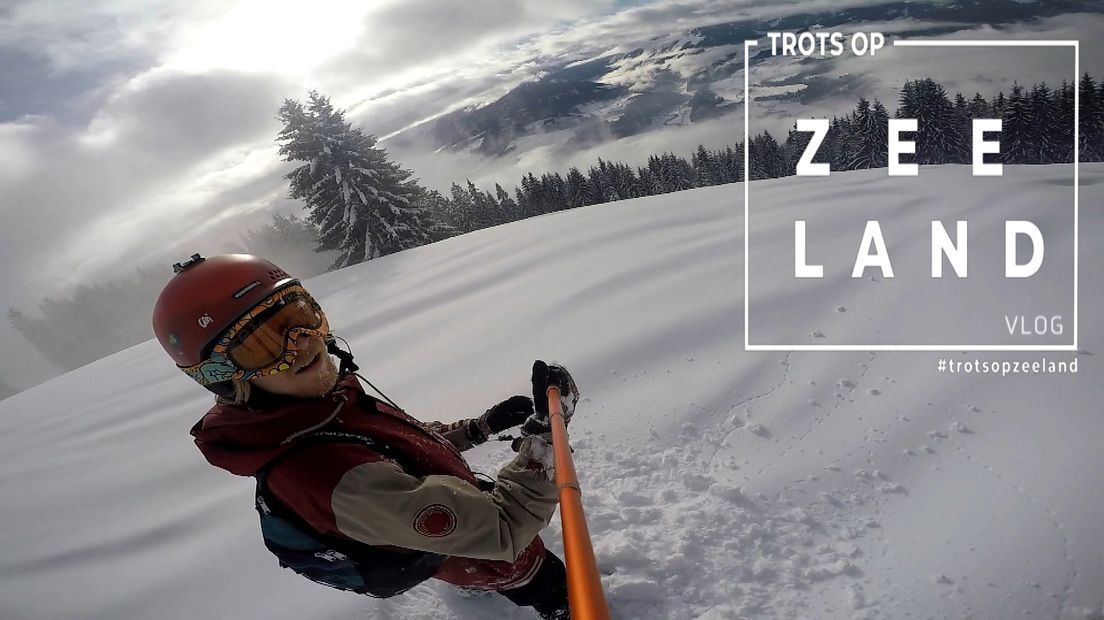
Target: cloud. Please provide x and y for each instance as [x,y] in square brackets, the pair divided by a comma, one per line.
[151,129]
[181,117]
[986,70]
[165,145]
[555,152]
[72,34]
[405,38]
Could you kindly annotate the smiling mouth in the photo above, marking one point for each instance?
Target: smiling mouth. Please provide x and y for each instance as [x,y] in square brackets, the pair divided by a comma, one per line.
[311,366]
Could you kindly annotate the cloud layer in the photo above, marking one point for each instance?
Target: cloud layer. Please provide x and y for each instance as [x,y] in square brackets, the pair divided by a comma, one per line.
[133,132]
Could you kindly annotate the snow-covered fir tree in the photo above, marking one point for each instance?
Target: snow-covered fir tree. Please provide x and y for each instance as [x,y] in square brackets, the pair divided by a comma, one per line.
[705,168]
[1043,125]
[554,191]
[766,161]
[794,147]
[1091,120]
[868,140]
[506,204]
[576,188]
[486,213]
[979,107]
[364,204]
[1062,150]
[290,241]
[440,213]
[938,140]
[462,210]
[1016,133]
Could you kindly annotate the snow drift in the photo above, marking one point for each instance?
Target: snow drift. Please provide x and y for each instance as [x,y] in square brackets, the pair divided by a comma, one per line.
[718,483]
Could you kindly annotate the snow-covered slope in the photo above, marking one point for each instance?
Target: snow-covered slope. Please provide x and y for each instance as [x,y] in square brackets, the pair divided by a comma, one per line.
[718,483]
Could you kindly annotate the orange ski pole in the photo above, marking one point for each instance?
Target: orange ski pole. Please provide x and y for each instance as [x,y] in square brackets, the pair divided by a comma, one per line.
[584,586]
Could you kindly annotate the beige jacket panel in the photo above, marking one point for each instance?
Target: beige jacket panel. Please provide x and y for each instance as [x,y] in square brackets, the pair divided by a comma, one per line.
[380,504]
[456,433]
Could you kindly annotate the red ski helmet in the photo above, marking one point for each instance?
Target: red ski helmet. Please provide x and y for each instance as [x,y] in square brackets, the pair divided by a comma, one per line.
[206,297]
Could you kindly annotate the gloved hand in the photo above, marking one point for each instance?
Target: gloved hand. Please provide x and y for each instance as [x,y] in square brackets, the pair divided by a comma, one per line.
[507,414]
[545,375]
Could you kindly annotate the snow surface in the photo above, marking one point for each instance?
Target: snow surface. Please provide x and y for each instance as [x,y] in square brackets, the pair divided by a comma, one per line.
[718,483]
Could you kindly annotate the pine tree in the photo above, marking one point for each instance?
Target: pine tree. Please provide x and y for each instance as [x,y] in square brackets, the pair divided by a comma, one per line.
[766,157]
[462,208]
[998,105]
[870,127]
[980,108]
[624,181]
[507,205]
[1062,149]
[1099,138]
[737,162]
[554,191]
[680,172]
[530,201]
[575,188]
[94,321]
[647,181]
[1043,125]
[705,169]
[656,171]
[525,209]
[794,147]
[485,209]
[290,241]
[937,138]
[835,152]
[363,203]
[1091,120]
[602,178]
[1016,134]
[440,212]
[963,128]
[879,126]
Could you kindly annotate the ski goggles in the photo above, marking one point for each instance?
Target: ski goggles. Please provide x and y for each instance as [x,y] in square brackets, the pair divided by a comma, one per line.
[263,341]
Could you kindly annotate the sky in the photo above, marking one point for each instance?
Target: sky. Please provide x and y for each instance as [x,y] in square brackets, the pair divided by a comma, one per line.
[135,132]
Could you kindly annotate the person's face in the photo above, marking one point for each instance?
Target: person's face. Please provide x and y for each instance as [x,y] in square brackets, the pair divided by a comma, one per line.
[313,373]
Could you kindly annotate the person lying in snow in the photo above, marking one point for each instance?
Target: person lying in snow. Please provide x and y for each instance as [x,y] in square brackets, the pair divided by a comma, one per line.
[352,491]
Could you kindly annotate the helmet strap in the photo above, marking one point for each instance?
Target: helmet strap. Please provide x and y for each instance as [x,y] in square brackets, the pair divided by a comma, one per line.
[346,357]
[348,365]
[225,389]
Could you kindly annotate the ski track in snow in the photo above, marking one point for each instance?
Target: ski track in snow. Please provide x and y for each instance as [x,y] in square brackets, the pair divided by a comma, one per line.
[1052,518]
[772,551]
[877,496]
[785,363]
[819,421]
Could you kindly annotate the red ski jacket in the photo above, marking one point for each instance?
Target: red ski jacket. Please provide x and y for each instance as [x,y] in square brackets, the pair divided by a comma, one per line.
[350,490]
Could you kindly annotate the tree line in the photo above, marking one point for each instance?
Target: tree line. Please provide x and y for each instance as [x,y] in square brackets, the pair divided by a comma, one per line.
[1037,129]
[98,319]
[362,205]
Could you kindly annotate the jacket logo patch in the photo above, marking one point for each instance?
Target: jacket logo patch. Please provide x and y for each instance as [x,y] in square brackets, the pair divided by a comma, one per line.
[435,521]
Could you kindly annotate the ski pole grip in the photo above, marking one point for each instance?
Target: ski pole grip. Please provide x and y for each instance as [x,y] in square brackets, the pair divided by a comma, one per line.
[584,586]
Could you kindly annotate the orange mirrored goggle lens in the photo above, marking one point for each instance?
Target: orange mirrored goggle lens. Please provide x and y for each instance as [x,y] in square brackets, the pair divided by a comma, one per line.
[266,340]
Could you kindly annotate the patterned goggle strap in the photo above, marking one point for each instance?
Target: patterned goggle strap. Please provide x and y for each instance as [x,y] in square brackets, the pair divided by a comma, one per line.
[263,341]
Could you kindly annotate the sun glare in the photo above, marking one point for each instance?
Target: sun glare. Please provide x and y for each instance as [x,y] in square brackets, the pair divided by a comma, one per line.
[282,36]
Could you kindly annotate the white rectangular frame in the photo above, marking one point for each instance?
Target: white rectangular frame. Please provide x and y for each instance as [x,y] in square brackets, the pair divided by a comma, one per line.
[1075,44]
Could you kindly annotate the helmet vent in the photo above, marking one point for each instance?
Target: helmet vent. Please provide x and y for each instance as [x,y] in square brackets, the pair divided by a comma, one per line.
[277,274]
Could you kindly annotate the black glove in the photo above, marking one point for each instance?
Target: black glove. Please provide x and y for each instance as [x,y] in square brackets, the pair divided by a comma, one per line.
[545,375]
[507,414]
